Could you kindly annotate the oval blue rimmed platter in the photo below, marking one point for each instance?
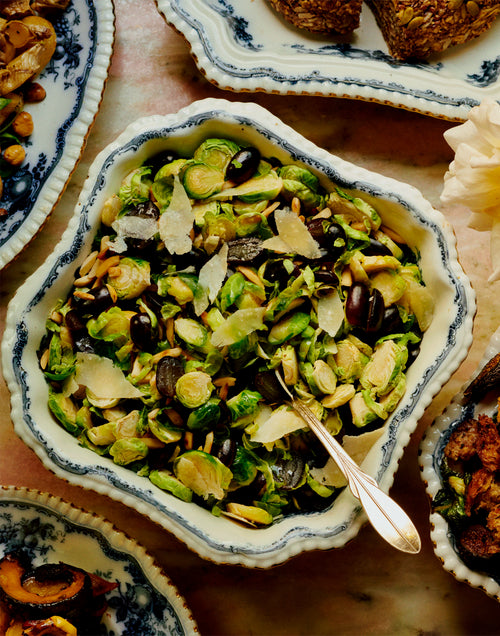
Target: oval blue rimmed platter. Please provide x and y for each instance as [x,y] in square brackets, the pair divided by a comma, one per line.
[74,82]
[246,46]
[49,530]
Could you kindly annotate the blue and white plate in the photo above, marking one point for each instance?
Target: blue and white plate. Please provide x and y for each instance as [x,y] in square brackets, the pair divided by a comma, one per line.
[74,82]
[246,46]
[401,206]
[431,454]
[50,530]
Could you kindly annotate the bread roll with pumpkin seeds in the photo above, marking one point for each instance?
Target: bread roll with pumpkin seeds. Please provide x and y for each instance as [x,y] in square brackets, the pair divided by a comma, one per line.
[322,16]
[415,29]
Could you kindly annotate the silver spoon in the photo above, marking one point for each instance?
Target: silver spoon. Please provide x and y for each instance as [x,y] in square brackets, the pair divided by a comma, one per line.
[385,515]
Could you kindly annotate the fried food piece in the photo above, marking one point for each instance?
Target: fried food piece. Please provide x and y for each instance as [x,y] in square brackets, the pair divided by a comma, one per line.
[462,444]
[489,443]
[477,541]
[477,488]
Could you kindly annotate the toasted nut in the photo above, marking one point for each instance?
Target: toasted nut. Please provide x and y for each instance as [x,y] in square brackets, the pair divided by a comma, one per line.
[34,92]
[415,23]
[405,16]
[14,155]
[472,8]
[23,124]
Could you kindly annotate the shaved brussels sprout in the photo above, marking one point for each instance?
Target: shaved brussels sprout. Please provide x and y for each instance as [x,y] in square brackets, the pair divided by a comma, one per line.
[130,278]
[209,272]
[244,405]
[126,451]
[288,328]
[303,184]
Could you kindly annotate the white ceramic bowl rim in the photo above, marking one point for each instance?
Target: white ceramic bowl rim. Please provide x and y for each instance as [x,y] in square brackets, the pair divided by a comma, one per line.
[295,533]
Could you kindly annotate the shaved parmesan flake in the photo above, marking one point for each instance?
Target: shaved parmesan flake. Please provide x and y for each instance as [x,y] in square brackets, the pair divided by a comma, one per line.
[238,325]
[211,277]
[293,232]
[102,378]
[135,227]
[357,447]
[271,426]
[176,223]
[330,313]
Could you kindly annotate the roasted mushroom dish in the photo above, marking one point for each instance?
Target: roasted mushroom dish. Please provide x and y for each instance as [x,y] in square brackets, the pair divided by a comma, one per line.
[53,599]
[470,469]
[208,272]
[27,44]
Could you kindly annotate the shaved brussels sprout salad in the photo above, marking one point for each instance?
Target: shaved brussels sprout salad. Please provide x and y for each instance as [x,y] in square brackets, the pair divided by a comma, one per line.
[207,274]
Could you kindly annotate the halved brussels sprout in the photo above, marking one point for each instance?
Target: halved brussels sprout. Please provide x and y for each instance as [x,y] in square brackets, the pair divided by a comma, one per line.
[216,152]
[194,389]
[201,181]
[204,474]
[166,481]
[126,451]
[205,416]
[64,409]
[130,278]
[191,331]
[244,405]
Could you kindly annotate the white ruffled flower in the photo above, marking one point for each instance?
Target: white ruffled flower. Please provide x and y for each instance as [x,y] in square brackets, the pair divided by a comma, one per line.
[473,177]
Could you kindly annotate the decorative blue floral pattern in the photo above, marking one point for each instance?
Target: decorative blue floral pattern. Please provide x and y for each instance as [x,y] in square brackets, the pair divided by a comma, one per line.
[135,608]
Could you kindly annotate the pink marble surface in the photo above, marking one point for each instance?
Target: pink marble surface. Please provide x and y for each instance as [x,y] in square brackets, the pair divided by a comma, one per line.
[366,587]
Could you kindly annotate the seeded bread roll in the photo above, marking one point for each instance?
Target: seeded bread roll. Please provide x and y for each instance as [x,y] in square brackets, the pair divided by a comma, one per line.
[415,29]
[322,16]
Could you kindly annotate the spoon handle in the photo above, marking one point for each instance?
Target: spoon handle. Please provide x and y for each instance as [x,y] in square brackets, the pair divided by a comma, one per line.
[385,515]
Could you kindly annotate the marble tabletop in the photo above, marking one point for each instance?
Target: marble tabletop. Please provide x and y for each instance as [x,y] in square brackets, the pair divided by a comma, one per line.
[365,587]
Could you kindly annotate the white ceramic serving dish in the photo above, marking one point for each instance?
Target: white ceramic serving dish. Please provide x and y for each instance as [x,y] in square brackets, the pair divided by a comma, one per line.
[401,206]
[74,81]
[49,530]
[247,46]
[431,453]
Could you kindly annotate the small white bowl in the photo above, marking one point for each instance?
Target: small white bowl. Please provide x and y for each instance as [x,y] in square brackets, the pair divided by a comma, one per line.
[402,207]
[51,530]
[431,453]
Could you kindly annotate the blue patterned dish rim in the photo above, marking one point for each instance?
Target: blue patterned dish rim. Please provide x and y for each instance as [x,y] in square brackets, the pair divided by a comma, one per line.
[443,347]
[49,530]
[74,81]
[246,46]
[430,457]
